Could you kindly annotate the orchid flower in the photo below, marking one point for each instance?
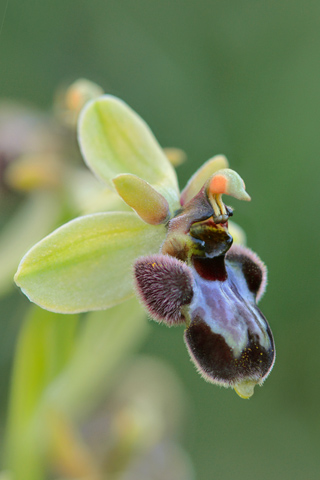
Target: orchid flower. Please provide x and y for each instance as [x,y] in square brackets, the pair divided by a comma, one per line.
[174,250]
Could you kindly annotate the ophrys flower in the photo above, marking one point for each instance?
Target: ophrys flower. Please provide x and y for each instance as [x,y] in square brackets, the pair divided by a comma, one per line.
[179,247]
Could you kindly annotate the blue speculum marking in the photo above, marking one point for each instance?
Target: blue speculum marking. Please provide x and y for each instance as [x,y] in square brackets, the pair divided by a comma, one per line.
[228,337]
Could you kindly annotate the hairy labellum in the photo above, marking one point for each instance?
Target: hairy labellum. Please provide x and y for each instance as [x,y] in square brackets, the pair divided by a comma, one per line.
[198,279]
[228,337]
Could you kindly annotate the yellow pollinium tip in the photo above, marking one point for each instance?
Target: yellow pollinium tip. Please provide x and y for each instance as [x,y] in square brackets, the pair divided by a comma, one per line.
[245,389]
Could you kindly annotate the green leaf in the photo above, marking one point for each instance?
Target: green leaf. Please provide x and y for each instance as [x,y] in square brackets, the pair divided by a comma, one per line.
[86,264]
[114,140]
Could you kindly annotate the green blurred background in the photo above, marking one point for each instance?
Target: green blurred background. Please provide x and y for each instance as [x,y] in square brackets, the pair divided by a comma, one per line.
[235,77]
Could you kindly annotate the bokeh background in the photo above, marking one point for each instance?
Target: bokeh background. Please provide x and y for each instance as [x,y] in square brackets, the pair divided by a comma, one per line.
[235,77]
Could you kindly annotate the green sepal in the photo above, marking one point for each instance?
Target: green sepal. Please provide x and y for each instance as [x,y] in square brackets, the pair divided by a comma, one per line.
[86,264]
[114,140]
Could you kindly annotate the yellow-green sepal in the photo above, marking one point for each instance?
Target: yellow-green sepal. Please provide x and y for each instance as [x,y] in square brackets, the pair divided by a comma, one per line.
[86,264]
[114,140]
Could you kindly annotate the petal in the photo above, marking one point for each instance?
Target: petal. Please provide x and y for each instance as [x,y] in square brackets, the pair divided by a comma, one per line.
[114,139]
[199,178]
[150,205]
[86,264]
[164,285]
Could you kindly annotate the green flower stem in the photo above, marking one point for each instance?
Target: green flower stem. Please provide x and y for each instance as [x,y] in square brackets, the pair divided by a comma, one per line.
[44,347]
[114,139]
[107,339]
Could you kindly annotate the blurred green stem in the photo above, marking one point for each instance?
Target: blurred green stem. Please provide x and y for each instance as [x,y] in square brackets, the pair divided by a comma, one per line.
[61,371]
[106,340]
[45,345]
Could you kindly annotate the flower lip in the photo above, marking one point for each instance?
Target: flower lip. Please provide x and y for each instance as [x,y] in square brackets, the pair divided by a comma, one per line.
[228,337]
